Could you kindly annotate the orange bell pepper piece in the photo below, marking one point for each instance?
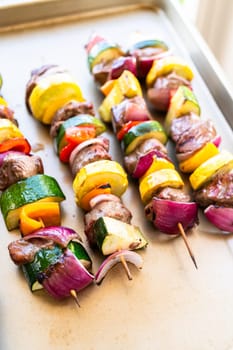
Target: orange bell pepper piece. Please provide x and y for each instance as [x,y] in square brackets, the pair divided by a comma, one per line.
[36,215]
[85,201]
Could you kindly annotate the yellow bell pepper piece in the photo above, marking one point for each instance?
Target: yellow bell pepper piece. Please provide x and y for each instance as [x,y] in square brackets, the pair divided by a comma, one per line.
[167,65]
[3,102]
[157,164]
[183,102]
[199,157]
[160,178]
[8,130]
[98,173]
[207,169]
[126,85]
[36,215]
[51,93]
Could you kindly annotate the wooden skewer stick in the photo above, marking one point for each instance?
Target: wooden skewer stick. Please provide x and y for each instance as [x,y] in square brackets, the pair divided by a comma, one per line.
[126,267]
[73,293]
[183,234]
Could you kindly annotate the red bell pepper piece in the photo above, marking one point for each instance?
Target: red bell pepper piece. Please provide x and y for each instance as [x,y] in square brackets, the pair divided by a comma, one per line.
[126,128]
[19,144]
[74,136]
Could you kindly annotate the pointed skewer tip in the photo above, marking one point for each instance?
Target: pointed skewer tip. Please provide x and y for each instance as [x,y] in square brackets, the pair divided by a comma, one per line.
[73,293]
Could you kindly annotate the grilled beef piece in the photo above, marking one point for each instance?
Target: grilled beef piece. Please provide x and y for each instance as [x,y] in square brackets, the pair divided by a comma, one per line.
[23,252]
[173,194]
[145,147]
[7,113]
[112,208]
[167,193]
[96,149]
[70,110]
[17,167]
[182,124]
[130,109]
[160,94]
[219,190]
[36,75]
[101,71]
[194,138]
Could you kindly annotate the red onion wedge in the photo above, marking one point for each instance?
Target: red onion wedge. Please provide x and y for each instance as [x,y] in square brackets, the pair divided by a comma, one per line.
[144,63]
[221,217]
[65,276]
[217,140]
[115,258]
[145,162]
[120,64]
[169,213]
[58,234]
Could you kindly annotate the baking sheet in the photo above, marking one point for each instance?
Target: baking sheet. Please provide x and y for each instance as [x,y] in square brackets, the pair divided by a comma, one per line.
[168,304]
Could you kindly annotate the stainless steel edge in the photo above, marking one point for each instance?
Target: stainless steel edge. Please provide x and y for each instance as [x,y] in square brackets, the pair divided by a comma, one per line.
[39,11]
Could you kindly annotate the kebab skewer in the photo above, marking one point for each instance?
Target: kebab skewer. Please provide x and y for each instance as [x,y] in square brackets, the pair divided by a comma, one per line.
[52,257]
[197,148]
[99,182]
[146,159]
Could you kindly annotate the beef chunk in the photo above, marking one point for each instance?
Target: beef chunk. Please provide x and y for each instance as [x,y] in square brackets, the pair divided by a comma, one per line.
[219,190]
[17,167]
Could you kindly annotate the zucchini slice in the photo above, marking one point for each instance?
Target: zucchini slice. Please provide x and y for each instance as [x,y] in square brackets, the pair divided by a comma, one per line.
[35,188]
[113,235]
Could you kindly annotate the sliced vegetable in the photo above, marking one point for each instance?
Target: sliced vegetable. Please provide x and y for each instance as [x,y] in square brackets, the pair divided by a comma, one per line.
[141,132]
[121,64]
[66,276]
[51,93]
[126,127]
[115,258]
[221,217]
[113,235]
[199,157]
[35,188]
[78,249]
[146,51]
[98,173]
[8,130]
[60,235]
[161,178]
[44,259]
[207,169]
[103,51]
[107,87]
[1,81]
[34,216]
[19,144]
[167,214]
[126,85]
[86,199]
[93,41]
[183,102]
[158,163]
[142,44]
[77,121]
[73,137]
[59,262]
[167,65]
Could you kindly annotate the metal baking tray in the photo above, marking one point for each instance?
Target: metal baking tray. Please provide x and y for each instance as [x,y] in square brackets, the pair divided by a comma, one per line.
[168,304]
